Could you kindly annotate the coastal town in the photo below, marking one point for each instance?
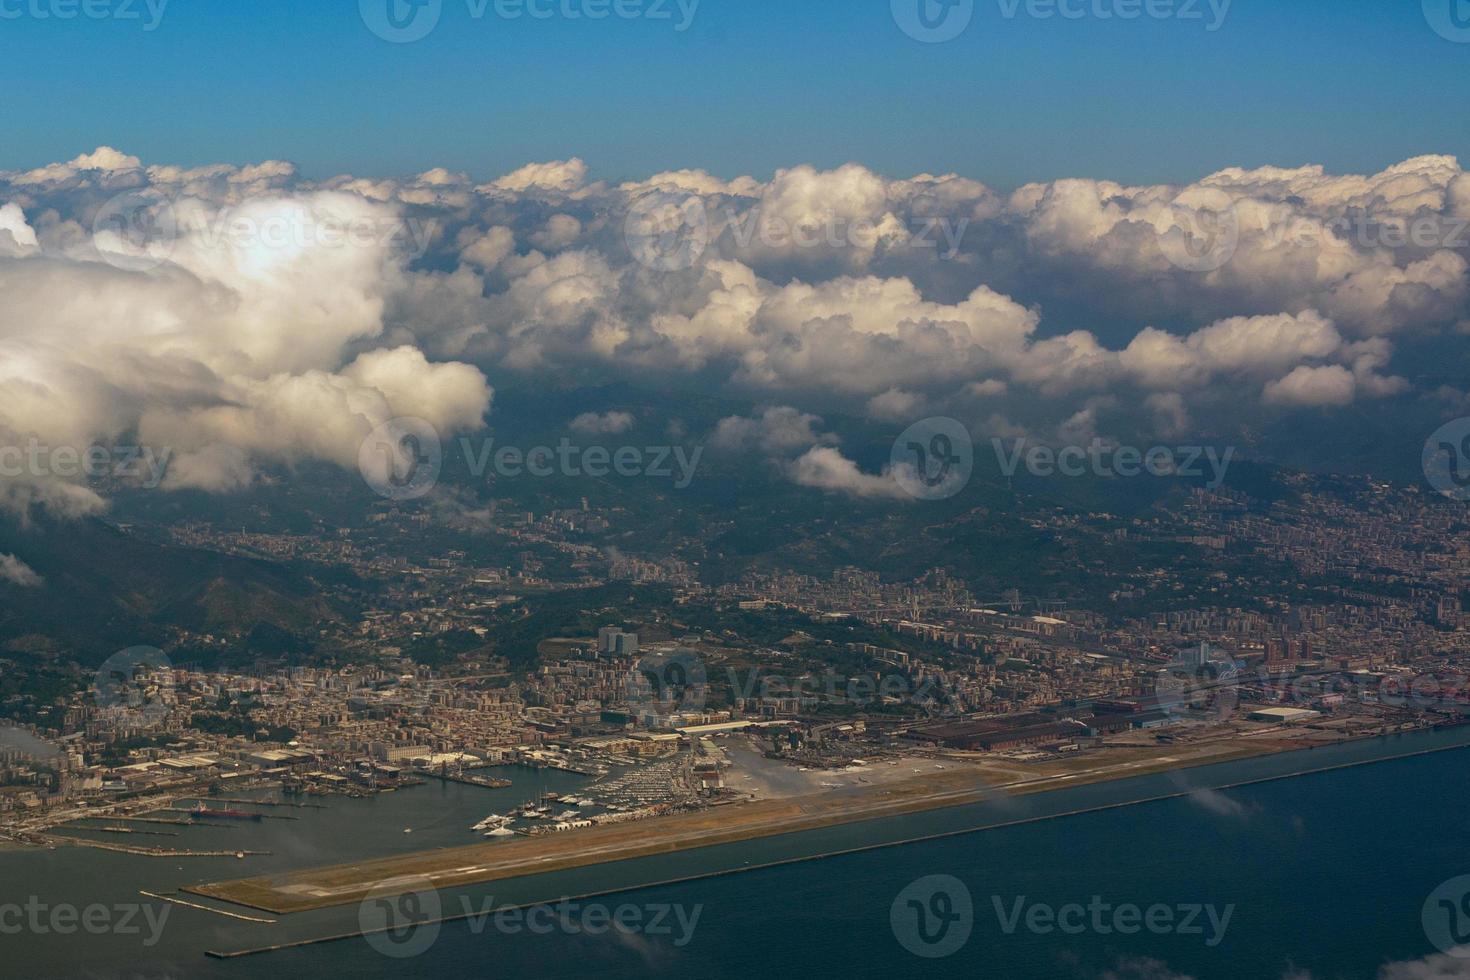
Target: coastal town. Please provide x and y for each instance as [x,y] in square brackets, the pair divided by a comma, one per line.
[853,681]
[670,690]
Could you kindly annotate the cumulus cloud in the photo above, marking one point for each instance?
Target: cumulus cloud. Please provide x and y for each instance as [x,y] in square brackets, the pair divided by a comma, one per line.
[1143,968]
[253,317]
[449,396]
[1313,386]
[561,230]
[16,236]
[825,468]
[218,320]
[324,415]
[608,423]
[775,431]
[1440,966]
[561,175]
[213,468]
[16,572]
[23,498]
[894,404]
[1380,253]
[486,250]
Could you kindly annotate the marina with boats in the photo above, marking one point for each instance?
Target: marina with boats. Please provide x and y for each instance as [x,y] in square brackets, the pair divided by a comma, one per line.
[626,793]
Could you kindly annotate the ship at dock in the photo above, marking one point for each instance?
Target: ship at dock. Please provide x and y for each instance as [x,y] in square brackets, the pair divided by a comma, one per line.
[201,812]
[492,822]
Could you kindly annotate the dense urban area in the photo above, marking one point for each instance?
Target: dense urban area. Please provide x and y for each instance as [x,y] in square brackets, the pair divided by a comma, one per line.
[674,694]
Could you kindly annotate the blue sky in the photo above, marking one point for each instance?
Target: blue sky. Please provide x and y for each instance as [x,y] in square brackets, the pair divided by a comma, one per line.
[753,85]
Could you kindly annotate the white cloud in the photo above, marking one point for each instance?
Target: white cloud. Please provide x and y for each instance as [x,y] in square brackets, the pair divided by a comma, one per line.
[1440,966]
[63,500]
[692,182]
[213,468]
[223,342]
[225,337]
[563,176]
[825,468]
[1143,968]
[609,423]
[448,396]
[561,230]
[1313,387]
[775,431]
[894,404]
[17,572]
[16,236]
[486,251]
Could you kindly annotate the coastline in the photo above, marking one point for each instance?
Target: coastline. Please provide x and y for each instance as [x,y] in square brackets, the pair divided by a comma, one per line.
[336,885]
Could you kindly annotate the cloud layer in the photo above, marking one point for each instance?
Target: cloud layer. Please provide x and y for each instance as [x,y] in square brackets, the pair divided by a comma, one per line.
[244,316]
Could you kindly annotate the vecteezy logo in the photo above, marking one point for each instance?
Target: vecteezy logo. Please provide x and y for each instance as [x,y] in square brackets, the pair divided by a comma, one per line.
[933,459]
[402,458]
[133,687]
[1200,682]
[666,683]
[1449,18]
[933,21]
[400,917]
[1447,459]
[1446,917]
[933,916]
[1203,230]
[401,21]
[666,231]
[136,231]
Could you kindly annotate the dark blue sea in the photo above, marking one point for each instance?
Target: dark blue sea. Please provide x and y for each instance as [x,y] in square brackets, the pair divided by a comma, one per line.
[1323,876]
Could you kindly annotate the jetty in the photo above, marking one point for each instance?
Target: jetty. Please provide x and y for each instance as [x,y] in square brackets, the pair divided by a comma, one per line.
[485,782]
[230,799]
[167,822]
[151,851]
[124,830]
[204,908]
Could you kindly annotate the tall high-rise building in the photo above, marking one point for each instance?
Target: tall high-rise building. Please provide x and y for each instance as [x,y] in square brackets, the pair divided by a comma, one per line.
[1196,656]
[615,642]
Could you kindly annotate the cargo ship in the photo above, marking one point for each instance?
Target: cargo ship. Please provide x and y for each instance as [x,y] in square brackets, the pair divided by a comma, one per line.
[201,812]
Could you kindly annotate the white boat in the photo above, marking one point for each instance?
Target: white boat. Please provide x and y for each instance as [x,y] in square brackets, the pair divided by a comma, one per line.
[501,832]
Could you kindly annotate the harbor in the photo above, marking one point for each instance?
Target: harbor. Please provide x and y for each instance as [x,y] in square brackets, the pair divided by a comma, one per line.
[442,815]
[951,790]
